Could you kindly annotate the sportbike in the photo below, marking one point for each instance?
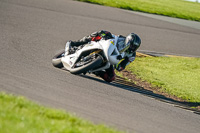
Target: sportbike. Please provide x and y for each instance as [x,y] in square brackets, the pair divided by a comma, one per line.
[89,58]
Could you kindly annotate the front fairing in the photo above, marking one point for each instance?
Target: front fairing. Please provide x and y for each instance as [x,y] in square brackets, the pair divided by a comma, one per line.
[69,60]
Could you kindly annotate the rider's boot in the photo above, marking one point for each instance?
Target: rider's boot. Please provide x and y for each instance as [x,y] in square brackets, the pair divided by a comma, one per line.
[67,47]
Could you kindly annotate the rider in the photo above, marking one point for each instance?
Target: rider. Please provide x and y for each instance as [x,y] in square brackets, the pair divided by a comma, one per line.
[128,45]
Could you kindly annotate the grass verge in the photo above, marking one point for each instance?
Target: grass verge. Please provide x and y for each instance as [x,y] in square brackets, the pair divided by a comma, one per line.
[173,8]
[18,115]
[177,76]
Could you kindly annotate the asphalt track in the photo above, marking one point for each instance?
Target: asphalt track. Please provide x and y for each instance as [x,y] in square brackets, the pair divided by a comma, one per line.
[31,31]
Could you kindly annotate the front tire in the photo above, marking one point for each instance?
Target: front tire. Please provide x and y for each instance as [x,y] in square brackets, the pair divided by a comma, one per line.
[56,61]
[95,63]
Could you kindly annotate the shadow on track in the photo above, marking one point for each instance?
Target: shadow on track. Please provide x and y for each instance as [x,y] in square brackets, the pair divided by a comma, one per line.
[130,86]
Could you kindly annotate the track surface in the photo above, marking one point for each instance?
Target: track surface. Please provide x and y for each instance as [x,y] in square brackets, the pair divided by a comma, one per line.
[32,30]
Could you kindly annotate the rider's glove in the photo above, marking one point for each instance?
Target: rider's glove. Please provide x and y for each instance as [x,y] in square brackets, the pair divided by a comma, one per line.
[121,66]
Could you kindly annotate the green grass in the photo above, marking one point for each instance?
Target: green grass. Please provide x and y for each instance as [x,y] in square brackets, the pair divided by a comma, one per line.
[178,76]
[173,8]
[18,115]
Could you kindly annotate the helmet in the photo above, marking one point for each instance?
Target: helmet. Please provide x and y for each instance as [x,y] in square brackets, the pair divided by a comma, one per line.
[132,42]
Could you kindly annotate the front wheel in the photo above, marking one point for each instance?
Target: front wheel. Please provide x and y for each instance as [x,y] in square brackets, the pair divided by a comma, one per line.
[94,63]
[56,61]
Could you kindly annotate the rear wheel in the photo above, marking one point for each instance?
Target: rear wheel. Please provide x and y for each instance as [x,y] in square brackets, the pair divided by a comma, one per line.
[84,66]
[56,61]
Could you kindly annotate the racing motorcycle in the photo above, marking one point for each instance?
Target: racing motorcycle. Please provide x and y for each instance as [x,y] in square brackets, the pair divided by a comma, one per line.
[89,58]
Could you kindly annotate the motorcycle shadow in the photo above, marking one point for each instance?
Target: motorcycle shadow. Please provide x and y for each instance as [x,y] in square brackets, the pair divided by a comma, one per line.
[130,86]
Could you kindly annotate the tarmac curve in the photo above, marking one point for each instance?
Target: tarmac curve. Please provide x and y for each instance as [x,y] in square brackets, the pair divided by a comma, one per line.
[33,30]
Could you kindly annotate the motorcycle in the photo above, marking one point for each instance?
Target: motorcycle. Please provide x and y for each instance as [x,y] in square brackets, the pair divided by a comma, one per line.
[89,58]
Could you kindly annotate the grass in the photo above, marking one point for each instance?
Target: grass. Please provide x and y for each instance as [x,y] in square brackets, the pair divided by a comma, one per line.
[18,115]
[177,76]
[173,8]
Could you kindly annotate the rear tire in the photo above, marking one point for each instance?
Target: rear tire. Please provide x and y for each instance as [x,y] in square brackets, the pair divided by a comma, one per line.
[95,63]
[56,61]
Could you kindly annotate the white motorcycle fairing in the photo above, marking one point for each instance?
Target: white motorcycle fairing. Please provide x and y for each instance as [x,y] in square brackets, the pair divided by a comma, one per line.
[106,49]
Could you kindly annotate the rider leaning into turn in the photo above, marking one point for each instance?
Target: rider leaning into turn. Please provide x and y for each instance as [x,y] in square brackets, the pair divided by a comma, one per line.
[128,45]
